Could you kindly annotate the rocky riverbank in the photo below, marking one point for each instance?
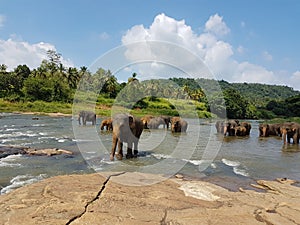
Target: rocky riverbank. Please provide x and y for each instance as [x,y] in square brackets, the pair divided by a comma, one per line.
[15,150]
[135,198]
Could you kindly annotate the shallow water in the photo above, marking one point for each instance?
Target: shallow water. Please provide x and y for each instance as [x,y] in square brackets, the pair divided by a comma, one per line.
[200,153]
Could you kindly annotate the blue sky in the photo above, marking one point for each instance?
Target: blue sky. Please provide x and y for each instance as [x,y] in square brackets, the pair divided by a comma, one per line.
[240,41]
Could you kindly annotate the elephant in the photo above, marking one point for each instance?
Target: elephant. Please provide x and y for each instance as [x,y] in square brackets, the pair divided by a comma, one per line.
[178,124]
[266,130]
[241,131]
[145,120]
[247,125]
[229,127]
[290,131]
[220,126]
[155,122]
[167,120]
[126,128]
[107,123]
[87,116]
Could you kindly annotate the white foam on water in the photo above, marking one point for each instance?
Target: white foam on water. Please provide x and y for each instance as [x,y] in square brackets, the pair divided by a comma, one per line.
[20,181]
[39,125]
[108,161]
[81,140]
[161,156]
[213,165]
[9,161]
[11,129]
[6,135]
[19,134]
[231,163]
[236,167]
[40,138]
[194,162]
[241,172]
[6,164]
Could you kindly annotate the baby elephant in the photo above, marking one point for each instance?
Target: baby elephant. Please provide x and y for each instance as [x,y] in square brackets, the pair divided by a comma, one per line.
[87,116]
[155,122]
[126,128]
[178,125]
[107,123]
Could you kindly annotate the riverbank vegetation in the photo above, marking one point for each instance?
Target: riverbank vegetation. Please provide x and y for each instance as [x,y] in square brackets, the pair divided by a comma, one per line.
[52,87]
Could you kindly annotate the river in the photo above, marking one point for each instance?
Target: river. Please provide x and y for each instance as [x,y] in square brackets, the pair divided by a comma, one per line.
[199,154]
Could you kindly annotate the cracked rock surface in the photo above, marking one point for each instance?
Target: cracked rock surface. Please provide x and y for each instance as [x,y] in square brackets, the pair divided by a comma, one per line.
[135,198]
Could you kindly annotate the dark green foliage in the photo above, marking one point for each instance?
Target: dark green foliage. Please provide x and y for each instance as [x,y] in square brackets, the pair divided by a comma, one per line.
[38,89]
[289,107]
[236,105]
[52,82]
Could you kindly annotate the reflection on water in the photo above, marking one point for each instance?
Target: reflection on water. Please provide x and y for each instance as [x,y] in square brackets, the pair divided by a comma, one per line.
[290,148]
[226,160]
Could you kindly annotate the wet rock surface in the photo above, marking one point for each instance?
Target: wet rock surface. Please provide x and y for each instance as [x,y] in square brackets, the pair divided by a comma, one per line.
[15,150]
[135,198]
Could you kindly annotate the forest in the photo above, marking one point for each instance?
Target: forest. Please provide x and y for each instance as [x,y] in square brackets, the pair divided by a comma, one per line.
[54,83]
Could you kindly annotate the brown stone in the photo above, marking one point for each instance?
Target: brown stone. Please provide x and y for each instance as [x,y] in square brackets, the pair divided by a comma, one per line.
[47,151]
[135,198]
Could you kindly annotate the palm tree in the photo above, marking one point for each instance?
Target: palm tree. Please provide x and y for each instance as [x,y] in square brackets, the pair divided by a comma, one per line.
[111,85]
[3,68]
[132,78]
[72,77]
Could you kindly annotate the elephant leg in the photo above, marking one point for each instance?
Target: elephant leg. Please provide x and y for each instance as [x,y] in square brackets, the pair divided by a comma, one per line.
[288,138]
[135,151]
[129,150]
[120,150]
[295,138]
[284,136]
[225,130]
[84,121]
[113,149]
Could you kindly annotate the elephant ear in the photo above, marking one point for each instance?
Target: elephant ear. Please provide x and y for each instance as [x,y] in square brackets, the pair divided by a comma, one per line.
[131,120]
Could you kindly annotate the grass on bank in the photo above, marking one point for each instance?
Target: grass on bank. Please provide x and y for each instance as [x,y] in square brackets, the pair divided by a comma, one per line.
[36,106]
[171,107]
[104,107]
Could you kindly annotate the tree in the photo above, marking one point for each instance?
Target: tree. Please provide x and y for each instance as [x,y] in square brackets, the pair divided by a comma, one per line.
[236,105]
[38,89]
[3,68]
[72,77]
[132,78]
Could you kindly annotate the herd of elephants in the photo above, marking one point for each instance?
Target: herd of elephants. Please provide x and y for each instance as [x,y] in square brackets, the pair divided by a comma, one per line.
[289,131]
[128,128]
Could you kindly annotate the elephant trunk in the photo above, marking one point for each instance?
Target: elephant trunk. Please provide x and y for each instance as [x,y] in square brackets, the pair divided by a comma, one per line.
[284,136]
[264,132]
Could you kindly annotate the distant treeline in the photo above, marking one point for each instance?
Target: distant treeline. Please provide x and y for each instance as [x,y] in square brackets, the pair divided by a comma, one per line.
[53,82]
[261,100]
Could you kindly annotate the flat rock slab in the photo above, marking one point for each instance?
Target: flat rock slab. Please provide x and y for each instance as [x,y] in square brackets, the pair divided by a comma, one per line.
[15,150]
[135,198]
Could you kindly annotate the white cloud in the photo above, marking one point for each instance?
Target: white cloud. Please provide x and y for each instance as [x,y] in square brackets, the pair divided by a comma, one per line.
[247,72]
[104,36]
[16,52]
[215,52]
[241,49]
[2,20]
[216,25]
[267,56]
[295,80]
